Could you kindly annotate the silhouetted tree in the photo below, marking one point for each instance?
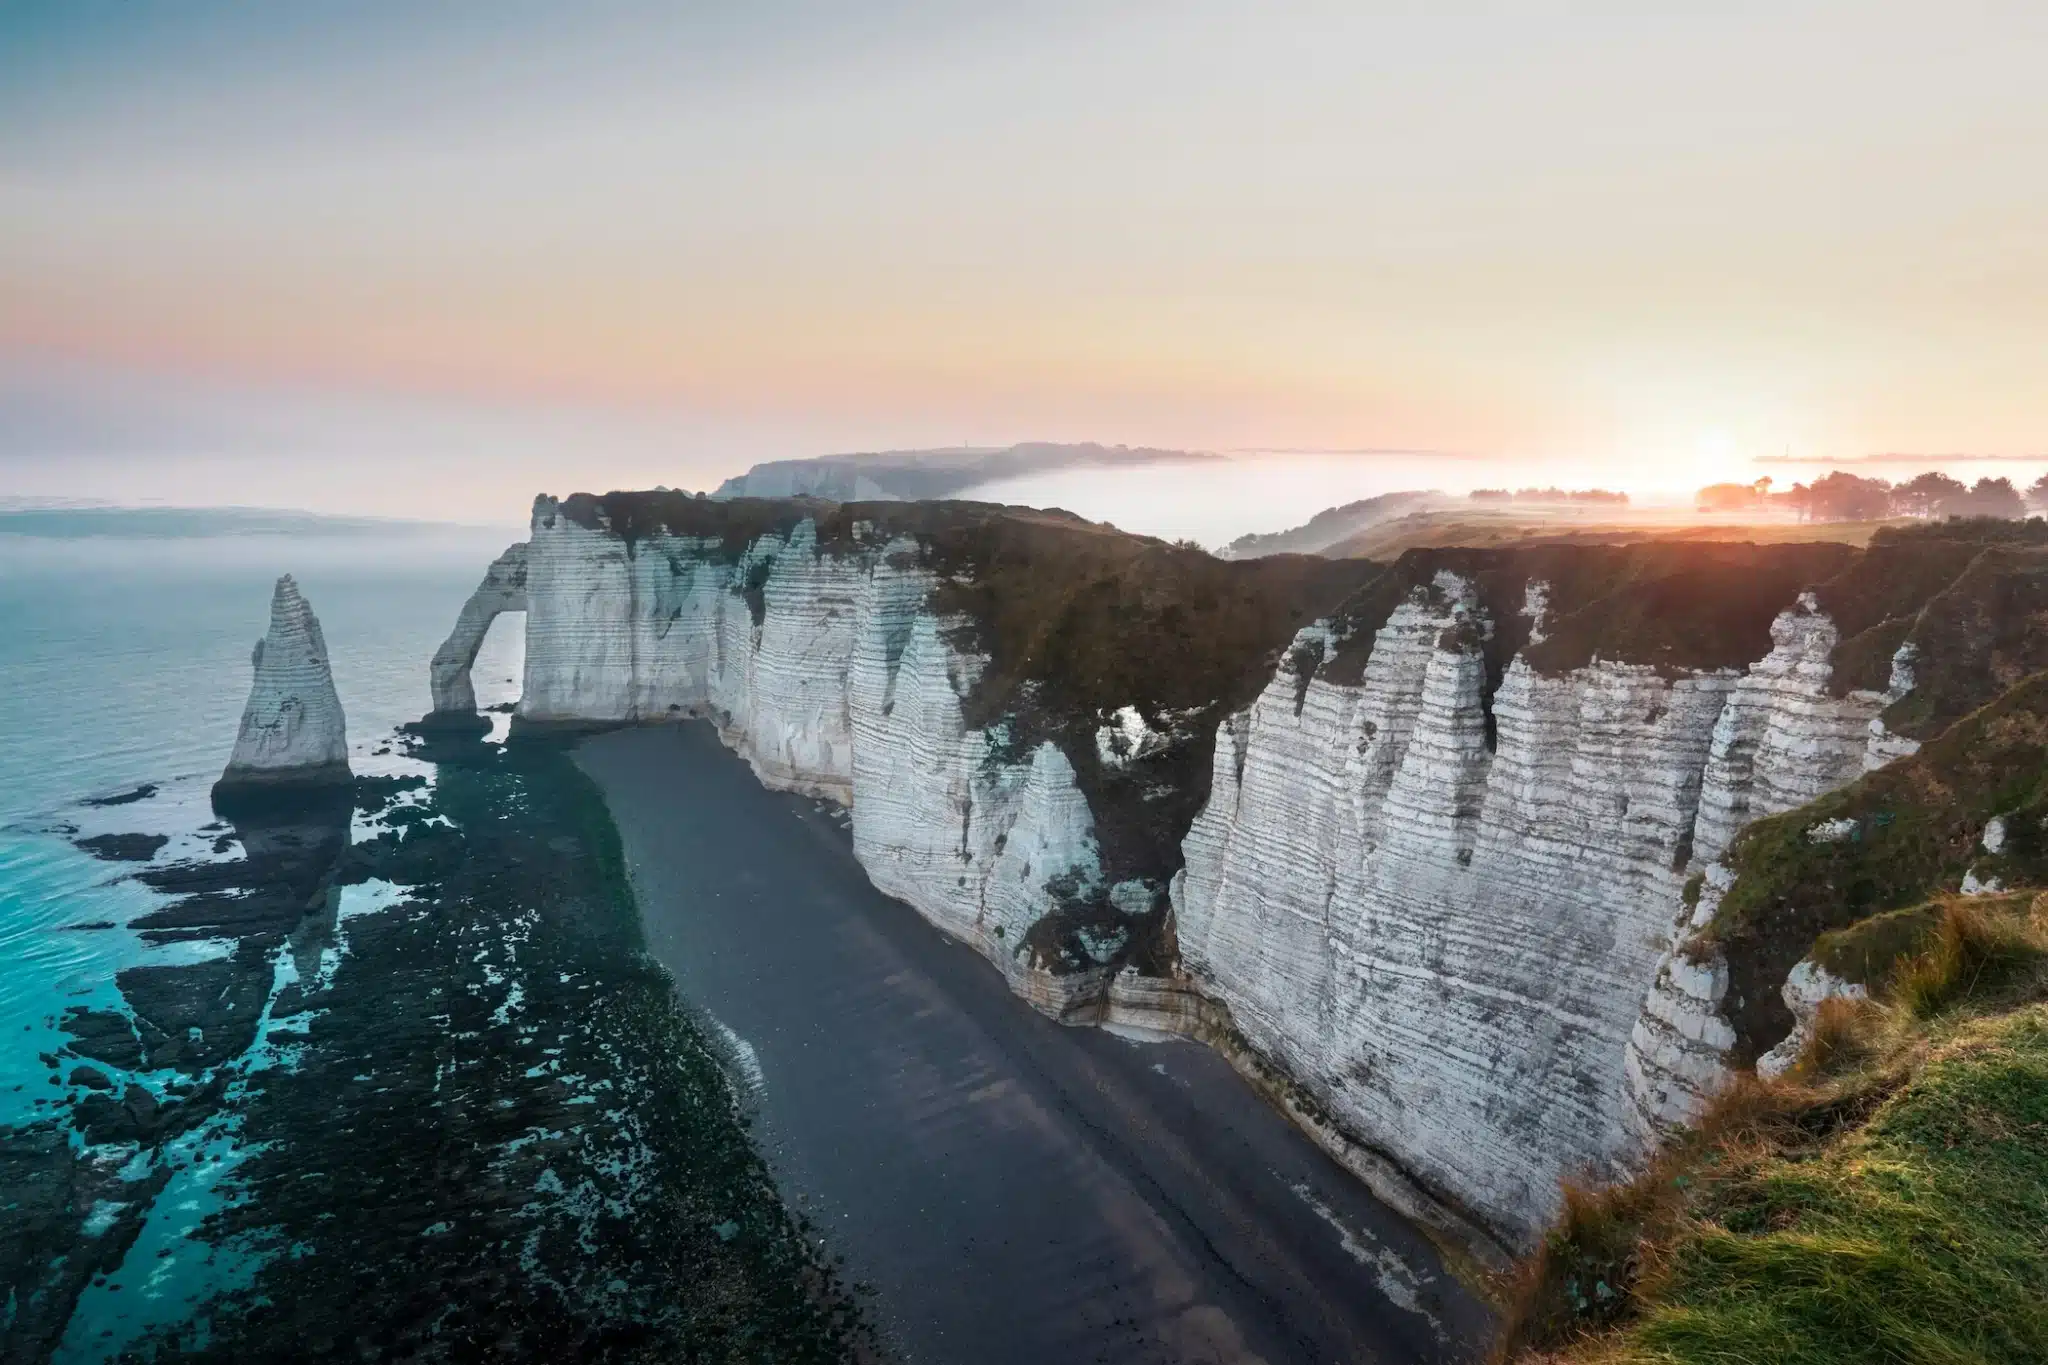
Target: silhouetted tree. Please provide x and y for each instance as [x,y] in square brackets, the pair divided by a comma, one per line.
[1989,498]
[1919,496]
[1727,497]
[1798,497]
[2037,494]
[1845,497]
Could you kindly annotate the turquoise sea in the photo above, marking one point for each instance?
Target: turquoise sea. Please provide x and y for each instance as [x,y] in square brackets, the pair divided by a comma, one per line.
[124,664]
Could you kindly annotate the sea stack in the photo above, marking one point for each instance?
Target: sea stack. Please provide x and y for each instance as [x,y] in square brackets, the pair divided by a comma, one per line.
[293,740]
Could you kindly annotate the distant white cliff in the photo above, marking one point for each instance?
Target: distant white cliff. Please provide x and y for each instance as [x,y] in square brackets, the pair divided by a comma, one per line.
[893,475]
[1446,914]
[293,733]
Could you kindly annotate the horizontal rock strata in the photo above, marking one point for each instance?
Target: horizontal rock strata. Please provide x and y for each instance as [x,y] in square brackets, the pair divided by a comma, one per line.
[1448,940]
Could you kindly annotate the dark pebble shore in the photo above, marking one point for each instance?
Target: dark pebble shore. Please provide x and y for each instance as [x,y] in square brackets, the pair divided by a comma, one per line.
[1008,1188]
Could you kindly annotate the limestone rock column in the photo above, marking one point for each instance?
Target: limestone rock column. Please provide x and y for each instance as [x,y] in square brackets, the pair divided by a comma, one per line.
[293,736]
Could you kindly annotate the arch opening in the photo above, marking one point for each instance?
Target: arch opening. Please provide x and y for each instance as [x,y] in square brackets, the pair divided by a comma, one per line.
[451,678]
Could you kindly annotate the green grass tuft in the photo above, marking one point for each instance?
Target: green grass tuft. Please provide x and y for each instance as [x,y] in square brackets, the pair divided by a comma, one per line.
[1973,949]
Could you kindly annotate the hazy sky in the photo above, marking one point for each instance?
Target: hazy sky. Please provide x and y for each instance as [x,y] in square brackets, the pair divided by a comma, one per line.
[357,255]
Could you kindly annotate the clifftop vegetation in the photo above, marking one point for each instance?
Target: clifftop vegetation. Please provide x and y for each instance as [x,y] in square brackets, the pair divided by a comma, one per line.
[1841,496]
[1079,620]
[1886,1199]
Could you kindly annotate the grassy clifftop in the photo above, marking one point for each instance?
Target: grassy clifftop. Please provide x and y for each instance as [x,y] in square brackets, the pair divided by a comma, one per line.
[1079,620]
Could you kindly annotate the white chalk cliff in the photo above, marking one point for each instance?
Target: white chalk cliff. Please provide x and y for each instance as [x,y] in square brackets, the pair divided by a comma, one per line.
[1449,916]
[828,671]
[292,732]
[1450,945]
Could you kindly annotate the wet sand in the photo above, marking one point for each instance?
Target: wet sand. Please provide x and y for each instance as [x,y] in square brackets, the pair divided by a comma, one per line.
[1011,1189]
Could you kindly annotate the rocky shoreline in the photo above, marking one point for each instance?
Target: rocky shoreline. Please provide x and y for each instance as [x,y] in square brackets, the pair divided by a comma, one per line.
[433,1097]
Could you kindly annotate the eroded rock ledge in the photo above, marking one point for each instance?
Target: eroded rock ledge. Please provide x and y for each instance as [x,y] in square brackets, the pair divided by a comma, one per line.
[1414,841]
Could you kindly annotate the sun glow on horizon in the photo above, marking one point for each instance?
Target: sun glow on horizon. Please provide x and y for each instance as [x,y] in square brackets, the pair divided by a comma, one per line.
[661,243]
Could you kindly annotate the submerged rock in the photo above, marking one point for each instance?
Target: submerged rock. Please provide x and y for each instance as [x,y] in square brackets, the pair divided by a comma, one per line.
[293,736]
[125,798]
[124,848]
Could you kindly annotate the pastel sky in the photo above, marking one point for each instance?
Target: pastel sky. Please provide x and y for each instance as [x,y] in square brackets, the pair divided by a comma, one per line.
[361,255]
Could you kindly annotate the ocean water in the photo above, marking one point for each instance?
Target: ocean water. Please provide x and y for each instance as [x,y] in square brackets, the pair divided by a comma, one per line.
[410,1041]
[125,663]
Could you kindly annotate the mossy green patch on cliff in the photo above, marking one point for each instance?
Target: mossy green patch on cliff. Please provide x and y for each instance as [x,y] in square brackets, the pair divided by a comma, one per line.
[1867,952]
[1913,829]
[1979,635]
[1968,597]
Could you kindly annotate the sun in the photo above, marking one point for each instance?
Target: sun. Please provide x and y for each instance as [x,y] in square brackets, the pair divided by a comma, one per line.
[1716,454]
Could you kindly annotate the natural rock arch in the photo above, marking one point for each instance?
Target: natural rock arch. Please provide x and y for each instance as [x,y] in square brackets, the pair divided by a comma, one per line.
[503,590]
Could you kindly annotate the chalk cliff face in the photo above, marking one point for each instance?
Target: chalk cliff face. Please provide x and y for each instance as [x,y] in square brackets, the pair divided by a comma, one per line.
[1448,940]
[835,669]
[293,733]
[1436,837]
